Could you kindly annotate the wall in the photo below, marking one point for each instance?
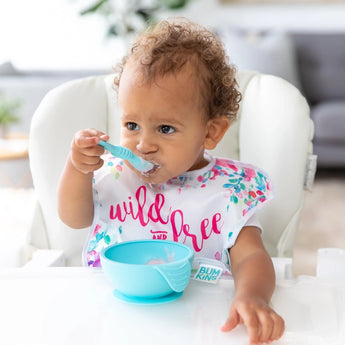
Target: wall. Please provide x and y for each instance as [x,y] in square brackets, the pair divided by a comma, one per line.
[284,16]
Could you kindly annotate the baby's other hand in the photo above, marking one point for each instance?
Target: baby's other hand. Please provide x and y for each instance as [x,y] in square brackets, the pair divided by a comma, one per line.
[263,324]
[85,151]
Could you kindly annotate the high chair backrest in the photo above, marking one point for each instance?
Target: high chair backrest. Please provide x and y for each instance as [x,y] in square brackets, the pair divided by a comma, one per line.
[273,131]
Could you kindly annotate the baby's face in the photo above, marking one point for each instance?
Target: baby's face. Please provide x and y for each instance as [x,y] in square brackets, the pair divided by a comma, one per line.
[163,122]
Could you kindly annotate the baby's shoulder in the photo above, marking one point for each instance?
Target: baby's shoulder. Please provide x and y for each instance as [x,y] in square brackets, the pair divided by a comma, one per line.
[245,183]
[239,176]
[228,167]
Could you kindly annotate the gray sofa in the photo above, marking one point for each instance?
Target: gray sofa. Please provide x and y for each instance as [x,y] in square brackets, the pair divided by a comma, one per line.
[312,61]
[321,69]
[31,86]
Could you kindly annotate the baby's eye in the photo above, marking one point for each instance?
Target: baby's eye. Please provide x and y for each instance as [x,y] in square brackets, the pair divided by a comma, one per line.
[165,129]
[132,126]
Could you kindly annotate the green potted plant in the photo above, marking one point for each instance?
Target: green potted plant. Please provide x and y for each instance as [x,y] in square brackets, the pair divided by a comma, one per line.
[127,17]
[8,111]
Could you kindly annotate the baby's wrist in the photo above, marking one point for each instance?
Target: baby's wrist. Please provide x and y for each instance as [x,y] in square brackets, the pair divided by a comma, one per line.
[252,294]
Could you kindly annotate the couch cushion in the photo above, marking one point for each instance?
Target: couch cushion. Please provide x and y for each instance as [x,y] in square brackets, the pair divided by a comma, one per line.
[321,58]
[330,155]
[7,68]
[329,120]
[269,52]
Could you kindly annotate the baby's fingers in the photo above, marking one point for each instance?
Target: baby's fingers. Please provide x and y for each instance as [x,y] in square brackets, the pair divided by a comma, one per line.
[279,327]
[232,321]
[85,163]
[85,153]
[88,168]
[267,326]
[88,138]
[252,324]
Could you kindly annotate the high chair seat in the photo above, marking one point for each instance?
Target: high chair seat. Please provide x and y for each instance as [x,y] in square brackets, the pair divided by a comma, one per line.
[273,131]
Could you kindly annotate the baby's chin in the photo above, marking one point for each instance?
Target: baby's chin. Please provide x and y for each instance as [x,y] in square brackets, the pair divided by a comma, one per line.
[153,176]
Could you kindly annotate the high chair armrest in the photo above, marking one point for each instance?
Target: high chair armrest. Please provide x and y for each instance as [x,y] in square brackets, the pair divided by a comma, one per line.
[282,268]
[46,258]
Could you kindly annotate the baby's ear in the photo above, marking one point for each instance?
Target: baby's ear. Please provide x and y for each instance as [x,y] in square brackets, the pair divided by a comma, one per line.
[216,128]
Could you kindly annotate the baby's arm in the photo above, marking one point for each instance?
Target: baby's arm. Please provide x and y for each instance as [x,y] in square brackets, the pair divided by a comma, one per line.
[75,200]
[254,277]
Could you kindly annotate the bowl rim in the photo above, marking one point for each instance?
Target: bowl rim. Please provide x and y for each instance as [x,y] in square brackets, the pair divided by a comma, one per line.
[188,257]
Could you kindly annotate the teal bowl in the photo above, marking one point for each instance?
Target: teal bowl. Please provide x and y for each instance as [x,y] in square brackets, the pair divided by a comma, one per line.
[147,270]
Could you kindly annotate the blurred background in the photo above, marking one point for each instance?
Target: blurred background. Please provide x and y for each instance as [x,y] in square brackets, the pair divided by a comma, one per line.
[45,43]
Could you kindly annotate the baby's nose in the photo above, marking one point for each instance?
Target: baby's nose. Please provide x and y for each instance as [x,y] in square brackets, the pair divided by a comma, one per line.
[147,144]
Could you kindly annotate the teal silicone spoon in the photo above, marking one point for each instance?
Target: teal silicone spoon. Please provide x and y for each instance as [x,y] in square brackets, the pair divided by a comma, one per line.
[125,153]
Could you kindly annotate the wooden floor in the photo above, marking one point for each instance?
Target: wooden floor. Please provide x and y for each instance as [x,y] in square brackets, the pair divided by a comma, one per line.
[323,220]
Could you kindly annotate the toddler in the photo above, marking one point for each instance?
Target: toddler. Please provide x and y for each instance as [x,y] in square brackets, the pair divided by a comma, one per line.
[178,95]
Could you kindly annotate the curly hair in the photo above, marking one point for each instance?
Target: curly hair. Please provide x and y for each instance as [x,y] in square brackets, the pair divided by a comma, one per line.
[167,47]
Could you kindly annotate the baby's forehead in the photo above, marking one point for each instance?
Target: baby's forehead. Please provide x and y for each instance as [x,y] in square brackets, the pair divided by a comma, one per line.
[137,74]
[144,74]
[172,82]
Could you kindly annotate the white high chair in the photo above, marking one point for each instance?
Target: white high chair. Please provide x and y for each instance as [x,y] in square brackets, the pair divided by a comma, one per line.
[274,131]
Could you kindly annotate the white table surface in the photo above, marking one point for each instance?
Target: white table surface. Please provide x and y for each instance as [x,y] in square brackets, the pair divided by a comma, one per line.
[76,306]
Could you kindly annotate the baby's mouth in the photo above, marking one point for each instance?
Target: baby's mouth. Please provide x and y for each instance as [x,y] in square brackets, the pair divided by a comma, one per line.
[152,171]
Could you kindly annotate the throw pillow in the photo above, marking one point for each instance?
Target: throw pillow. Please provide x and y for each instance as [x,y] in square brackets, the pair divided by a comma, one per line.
[269,52]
